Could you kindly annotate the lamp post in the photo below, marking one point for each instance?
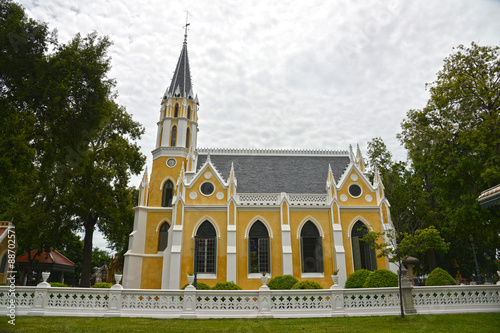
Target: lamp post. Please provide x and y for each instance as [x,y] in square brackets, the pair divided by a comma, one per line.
[479,277]
[195,282]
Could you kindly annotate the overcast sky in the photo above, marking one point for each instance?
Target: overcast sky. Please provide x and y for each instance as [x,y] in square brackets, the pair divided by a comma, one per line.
[279,74]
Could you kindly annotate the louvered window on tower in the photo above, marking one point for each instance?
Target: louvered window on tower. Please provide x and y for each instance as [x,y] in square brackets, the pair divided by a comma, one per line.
[189,113]
[258,249]
[205,248]
[168,193]
[176,111]
[311,249]
[173,138]
[187,138]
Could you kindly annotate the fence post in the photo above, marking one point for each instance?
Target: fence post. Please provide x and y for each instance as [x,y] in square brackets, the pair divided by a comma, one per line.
[114,301]
[40,299]
[337,300]
[264,302]
[189,302]
[406,290]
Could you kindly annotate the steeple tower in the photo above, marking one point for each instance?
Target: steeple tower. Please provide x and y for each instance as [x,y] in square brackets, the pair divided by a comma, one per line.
[178,124]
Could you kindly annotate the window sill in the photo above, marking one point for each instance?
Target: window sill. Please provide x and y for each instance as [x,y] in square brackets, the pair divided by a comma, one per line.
[312,275]
[257,275]
[207,276]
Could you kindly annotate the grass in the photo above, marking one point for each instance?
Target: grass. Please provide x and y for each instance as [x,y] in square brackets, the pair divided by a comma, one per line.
[483,322]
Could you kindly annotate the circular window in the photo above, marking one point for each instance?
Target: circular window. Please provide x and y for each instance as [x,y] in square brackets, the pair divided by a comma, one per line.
[207,188]
[355,190]
[171,162]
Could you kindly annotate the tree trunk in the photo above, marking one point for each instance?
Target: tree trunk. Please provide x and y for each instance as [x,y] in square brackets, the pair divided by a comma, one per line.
[400,289]
[89,224]
[431,257]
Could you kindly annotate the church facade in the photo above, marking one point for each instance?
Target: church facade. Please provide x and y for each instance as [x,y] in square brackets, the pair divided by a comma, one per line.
[235,214]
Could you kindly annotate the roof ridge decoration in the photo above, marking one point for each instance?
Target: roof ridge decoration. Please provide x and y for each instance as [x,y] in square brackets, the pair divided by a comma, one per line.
[257,151]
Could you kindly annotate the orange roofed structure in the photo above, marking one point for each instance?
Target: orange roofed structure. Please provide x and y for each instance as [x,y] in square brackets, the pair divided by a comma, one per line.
[53,262]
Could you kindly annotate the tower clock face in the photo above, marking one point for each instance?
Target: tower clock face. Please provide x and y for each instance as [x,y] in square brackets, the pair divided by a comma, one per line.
[171,162]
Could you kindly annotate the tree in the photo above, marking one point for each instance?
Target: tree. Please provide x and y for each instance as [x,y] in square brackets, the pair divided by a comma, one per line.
[454,143]
[397,246]
[73,151]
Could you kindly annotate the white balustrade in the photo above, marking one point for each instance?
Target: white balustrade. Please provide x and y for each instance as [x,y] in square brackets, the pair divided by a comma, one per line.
[191,303]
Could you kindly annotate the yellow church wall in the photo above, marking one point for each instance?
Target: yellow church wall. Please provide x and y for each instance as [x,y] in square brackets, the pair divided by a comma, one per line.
[348,218]
[202,199]
[159,175]
[191,220]
[273,220]
[151,273]
[297,218]
[154,218]
[361,201]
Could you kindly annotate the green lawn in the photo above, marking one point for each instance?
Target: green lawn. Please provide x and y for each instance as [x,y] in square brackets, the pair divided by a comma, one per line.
[484,322]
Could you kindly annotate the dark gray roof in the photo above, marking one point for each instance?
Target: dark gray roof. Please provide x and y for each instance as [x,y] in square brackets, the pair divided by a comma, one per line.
[182,75]
[278,173]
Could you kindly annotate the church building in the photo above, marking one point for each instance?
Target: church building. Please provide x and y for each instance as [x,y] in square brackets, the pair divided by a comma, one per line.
[235,214]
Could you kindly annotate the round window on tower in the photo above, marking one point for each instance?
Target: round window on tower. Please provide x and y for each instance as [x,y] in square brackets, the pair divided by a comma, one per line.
[355,190]
[207,188]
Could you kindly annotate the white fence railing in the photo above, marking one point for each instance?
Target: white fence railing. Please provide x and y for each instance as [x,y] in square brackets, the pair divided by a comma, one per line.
[243,303]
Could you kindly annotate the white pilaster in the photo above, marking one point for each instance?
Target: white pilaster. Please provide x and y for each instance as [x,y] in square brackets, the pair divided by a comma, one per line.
[339,252]
[231,253]
[132,267]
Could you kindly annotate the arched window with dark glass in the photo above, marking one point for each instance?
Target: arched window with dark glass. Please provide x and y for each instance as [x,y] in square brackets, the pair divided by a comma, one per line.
[163,237]
[168,193]
[176,110]
[205,248]
[363,255]
[3,265]
[311,248]
[173,138]
[188,138]
[189,113]
[258,249]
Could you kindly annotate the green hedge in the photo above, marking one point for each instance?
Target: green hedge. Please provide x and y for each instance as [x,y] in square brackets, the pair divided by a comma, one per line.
[357,279]
[199,286]
[439,277]
[381,278]
[226,286]
[58,284]
[307,285]
[102,285]
[281,282]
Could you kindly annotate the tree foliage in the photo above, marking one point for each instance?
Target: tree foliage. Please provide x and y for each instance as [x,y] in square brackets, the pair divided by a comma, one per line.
[69,148]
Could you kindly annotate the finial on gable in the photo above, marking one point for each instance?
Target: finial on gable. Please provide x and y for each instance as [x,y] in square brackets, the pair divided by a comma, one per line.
[208,158]
[351,154]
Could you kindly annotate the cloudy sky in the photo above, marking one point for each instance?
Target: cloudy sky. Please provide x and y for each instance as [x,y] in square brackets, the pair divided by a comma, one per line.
[279,74]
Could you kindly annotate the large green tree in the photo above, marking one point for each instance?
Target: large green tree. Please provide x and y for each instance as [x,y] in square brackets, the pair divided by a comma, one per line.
[76,144]
[454,141]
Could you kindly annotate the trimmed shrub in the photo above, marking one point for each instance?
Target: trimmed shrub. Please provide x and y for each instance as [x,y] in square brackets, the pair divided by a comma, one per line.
[283,282]
[199,286]
[357,279]
[229,285]
[3,284]
[307,285]
[102,285]
[439,277]
[58,284]
[381,278]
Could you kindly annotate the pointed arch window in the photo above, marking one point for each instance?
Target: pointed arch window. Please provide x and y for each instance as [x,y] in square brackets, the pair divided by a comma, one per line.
[311,248]
[176,110]
[363,255]
[168,194]
[173,138]
[188,137]
[258,249]
[163,237]
[189,113]
[205,248]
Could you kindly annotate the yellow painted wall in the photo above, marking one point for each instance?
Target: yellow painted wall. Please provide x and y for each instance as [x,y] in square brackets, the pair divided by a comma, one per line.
[158,176]
[151,273]
[154,219]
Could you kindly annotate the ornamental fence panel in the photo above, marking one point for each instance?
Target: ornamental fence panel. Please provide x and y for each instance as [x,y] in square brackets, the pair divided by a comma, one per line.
[191,303]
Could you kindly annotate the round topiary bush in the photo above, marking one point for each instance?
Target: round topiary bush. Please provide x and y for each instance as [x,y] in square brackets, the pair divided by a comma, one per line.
[102,285]
[226,286]
[282,282]
[381,278]
[439,277]
[307,285]
[199,286]
[357,279]
[58,284]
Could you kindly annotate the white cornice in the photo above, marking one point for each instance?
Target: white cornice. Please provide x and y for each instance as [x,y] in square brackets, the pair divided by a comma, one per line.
[289,152]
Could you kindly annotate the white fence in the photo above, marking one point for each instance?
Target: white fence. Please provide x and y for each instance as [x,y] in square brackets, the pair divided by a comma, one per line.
[193,303]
